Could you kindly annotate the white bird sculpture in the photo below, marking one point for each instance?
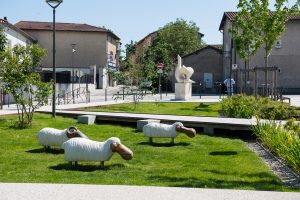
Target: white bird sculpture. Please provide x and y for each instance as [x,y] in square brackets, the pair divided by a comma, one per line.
[183,73]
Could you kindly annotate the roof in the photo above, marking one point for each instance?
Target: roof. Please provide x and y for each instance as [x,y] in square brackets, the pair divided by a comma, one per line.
[48,26]
[216,47]
[153,34]
[15,28]
[231,16]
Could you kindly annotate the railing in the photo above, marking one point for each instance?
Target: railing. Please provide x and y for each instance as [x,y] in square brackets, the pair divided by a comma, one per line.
[70,97]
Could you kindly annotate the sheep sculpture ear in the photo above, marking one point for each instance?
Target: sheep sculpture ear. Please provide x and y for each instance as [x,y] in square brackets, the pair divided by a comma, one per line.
[72,132]
[190,132]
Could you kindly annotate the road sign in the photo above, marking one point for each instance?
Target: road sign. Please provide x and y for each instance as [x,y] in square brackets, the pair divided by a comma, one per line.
[159,71]
[160,66]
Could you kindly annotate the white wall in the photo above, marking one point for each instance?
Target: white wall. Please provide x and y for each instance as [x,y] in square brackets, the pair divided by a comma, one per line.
[14,38]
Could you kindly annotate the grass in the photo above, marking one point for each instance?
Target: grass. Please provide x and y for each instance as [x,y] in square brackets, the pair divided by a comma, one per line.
[193,109]
[204,161]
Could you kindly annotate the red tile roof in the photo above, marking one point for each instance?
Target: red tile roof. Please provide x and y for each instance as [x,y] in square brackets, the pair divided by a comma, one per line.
[29,25]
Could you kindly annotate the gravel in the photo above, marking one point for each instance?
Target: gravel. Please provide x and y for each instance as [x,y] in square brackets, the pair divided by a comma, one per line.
[277,165]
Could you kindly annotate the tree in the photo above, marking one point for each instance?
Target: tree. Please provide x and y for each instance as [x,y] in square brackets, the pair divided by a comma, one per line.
[181,36]
[245,33]
[19,78]
[272,25]
[175,38]
[258,26]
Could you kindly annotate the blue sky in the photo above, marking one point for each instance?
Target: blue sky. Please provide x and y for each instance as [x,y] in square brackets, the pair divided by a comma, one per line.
[129,19]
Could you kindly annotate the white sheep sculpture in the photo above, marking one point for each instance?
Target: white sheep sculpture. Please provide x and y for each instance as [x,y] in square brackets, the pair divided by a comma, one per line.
[81,149]
[158,130]
[55,137]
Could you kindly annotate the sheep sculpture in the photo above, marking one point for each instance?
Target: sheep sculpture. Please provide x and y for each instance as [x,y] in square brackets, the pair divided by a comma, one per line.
[157,130]
[82,149]
[54,137]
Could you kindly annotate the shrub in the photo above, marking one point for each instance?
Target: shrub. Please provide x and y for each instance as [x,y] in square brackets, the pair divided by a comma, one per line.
[239,106]
[284,141]
[242,106]
[273,110]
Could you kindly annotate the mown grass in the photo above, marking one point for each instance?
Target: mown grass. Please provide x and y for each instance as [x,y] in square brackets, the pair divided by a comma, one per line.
[172,108]
[204,161]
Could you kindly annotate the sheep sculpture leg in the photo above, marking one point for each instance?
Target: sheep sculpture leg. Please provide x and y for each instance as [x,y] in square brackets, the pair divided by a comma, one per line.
[102,165]
[173,141]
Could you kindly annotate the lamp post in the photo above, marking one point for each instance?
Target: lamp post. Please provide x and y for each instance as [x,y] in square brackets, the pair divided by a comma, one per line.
[72,74]
[54,4]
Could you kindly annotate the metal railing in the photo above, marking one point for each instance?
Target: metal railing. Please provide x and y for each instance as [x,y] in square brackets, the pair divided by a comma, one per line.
[73,96]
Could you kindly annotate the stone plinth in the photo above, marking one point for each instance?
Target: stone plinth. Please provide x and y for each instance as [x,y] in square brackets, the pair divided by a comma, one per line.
[86,119]
[183,91]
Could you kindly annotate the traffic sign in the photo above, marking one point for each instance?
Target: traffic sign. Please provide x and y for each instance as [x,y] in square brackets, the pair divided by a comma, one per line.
[160,66]
[159,71]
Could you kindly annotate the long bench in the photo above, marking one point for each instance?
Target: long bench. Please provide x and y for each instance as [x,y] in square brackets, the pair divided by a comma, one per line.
[208,123]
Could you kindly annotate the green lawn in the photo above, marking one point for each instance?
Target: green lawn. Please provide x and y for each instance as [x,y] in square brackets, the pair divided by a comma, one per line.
[203,161]
[193,109]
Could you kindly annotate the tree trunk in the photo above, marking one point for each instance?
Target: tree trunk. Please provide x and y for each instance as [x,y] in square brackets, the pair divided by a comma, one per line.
[266,73]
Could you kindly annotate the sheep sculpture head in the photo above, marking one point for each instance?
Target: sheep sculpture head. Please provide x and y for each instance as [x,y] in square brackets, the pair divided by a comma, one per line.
[72,132]
[121,149]
[190,132]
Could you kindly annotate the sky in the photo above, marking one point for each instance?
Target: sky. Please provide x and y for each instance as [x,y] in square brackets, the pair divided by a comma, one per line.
[128,19]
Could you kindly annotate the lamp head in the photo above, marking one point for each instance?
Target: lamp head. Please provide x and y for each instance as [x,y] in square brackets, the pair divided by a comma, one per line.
[54,3]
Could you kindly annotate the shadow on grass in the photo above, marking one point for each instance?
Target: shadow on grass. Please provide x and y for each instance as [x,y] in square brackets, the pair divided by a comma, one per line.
[263,184]
[86,168]
[155,144]
[223,153]
[41,150]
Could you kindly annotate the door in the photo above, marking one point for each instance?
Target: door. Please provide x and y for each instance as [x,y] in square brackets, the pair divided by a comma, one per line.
[208,80]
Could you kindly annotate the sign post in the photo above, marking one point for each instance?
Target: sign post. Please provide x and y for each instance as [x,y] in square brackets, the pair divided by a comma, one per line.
[160,67]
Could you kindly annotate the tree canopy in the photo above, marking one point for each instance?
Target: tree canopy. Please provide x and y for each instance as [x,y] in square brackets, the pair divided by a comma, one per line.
[181,36]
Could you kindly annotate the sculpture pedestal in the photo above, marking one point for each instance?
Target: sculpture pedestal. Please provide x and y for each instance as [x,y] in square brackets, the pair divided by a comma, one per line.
[183,91]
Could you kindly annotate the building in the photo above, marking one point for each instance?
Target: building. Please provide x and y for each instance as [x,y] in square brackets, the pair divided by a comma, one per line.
[285,55]
[14,35]
[84,53]
[207,63]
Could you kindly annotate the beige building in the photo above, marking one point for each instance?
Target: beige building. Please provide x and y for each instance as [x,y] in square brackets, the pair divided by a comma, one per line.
[285,55]
[84,53]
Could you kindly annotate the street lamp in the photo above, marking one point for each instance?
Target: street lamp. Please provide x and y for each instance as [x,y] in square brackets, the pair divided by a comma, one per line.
[54,4]
[72,74]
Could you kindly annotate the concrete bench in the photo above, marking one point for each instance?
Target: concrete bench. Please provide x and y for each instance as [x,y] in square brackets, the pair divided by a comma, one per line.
[143,122]
[86,119]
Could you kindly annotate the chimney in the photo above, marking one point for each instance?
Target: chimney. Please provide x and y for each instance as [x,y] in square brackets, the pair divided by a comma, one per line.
[5,18]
